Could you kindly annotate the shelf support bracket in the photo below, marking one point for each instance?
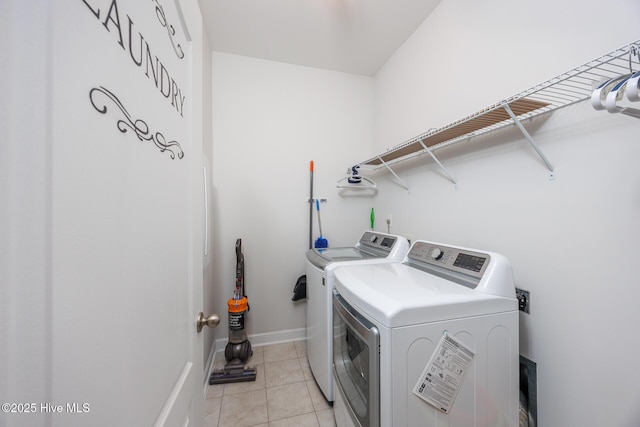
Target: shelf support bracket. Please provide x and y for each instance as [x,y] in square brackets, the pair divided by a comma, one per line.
[526,135]
[428,150]
[394,174]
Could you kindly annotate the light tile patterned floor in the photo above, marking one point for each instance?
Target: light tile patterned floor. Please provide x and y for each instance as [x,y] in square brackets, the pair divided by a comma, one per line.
[284,393]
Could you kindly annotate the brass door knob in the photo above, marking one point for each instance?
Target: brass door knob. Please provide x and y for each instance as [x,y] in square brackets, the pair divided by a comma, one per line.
[211,321]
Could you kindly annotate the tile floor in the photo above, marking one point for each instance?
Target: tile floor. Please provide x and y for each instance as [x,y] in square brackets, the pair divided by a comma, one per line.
[284,393]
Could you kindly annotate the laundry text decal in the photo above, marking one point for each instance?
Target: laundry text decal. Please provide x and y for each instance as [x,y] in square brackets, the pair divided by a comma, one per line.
[140,51]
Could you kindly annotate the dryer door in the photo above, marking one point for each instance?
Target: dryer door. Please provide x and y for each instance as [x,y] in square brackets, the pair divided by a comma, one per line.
[356,363]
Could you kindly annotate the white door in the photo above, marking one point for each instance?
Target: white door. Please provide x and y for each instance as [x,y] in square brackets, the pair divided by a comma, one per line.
[122,263]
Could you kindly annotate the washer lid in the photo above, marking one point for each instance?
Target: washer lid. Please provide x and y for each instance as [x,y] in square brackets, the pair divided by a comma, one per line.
[323,257]
[396,295]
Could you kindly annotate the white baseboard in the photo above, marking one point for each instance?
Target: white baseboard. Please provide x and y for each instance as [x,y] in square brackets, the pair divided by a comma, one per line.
[269,338]
[208,368]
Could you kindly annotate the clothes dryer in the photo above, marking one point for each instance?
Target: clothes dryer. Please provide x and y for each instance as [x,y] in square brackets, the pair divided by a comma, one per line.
[431,341]
[372,248]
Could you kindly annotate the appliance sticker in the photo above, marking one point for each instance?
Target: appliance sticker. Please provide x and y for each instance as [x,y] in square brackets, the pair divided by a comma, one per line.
[443,376]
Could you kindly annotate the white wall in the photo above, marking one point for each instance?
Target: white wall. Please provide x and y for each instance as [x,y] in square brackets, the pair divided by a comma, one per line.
[25,216]
[269,120]
[572,240]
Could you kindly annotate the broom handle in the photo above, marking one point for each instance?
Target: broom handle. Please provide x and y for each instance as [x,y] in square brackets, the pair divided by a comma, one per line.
[319,222]
[311,205]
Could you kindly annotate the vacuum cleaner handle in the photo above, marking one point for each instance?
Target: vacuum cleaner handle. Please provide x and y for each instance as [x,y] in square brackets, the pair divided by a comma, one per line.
[239,268]
[240,285]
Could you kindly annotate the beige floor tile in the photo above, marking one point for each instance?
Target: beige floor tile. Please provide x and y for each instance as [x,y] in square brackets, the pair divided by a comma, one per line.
[325,418]
[284,393]
[281,351]
[212,405]
[306,420]
[306,369]
[244,409]
[317,398]
[243,387]
[301,348]
[288,401]
[283,372]
[215,390]
[212,411]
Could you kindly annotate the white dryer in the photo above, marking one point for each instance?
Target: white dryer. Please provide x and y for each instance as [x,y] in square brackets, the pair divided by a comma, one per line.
[372,248]
[391,363]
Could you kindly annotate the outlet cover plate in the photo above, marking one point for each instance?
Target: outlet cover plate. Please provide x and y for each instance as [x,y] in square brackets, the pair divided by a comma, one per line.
[524,301]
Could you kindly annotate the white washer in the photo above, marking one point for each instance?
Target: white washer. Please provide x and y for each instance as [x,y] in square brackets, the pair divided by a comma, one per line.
[389,320]
[372,248]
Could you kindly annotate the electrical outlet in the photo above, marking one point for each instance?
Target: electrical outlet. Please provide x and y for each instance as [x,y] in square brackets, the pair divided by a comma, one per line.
[523,300]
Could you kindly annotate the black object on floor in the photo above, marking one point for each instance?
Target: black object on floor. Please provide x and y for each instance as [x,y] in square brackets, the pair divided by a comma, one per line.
[300,289]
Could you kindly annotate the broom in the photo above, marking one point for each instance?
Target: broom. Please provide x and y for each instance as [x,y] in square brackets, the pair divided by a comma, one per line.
[320,241]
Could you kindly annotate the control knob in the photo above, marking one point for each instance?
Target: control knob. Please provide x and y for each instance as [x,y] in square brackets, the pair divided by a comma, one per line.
[437,253]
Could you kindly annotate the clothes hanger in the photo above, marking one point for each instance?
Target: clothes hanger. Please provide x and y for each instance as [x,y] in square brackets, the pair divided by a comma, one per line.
[627,86]
[609,93]
[615,95]
[632,91]
[355,180]
[599,95]
[345,183]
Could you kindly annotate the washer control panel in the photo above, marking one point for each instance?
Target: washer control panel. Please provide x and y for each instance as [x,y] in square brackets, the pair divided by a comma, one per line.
[377,240]
[454,259]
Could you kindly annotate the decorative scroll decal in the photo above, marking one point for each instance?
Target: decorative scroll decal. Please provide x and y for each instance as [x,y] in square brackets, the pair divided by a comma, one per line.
[139,126]
[170,30]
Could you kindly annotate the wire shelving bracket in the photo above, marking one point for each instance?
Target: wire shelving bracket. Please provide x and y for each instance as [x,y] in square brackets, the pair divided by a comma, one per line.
[433,156]
[528,137]
[394,174]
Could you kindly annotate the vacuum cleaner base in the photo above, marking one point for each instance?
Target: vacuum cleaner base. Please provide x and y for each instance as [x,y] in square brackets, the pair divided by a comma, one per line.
[242,351]
[233,371]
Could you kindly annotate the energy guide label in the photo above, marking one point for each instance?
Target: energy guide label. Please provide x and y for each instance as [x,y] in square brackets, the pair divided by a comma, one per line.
[444,374]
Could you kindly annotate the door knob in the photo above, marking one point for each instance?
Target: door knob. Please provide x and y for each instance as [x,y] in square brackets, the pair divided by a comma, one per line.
[211,321]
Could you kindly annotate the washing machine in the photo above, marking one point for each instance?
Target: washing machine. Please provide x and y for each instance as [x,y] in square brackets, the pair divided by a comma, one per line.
[430,341]
[372,248]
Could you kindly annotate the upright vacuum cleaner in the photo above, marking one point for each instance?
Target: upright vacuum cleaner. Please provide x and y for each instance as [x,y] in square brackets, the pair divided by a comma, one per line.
[238,349]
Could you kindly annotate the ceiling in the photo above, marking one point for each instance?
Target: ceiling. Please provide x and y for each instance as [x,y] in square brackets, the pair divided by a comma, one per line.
[352,36]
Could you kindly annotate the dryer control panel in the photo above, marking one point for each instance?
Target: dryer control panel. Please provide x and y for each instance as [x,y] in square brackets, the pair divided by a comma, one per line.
[453,259]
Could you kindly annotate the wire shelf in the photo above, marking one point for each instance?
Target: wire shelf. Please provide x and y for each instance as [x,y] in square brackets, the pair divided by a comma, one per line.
[561,91]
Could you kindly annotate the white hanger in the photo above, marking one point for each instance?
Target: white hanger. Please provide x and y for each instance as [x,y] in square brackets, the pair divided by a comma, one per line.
[355,180]
[633,90]
[599,95]
[616,95]
[344,183]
